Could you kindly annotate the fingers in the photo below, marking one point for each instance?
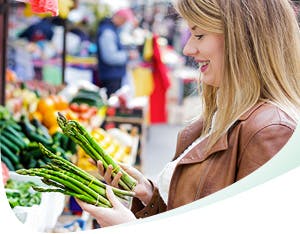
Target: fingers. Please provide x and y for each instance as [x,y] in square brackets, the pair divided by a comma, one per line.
[115,181]
[92,161]
[85,206]
[100,168]
[131,171]
[112,198]
[106,174]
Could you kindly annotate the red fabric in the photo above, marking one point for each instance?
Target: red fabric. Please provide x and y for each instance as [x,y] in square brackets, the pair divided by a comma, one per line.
[44,6]
[158,99]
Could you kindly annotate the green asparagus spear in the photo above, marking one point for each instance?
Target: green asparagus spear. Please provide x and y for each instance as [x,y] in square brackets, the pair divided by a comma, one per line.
[80,136]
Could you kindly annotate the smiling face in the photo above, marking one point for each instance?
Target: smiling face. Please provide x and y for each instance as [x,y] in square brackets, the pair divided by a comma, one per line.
[207,49]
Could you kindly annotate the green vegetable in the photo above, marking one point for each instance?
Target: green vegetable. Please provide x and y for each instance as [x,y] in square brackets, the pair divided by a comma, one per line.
[19,193]
[41,129]
[14,140]
[8,163]
[33,133]
[4,113]
[7,152]
[15,149]
[80,136]
[67,178]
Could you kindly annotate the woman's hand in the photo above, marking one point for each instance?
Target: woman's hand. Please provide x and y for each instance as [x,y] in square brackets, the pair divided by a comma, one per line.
[143,190]
[108,216]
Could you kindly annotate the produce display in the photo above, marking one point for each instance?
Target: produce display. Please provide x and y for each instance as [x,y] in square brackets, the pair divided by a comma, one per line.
[89,97]
[19,142]
[20,193]
[46,136]
[46,111]
[65,177]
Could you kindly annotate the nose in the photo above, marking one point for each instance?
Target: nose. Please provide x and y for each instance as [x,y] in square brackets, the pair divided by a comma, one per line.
[189,48]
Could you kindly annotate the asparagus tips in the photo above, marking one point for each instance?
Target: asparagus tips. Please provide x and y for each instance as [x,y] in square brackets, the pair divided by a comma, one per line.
[61,120]
[81,136]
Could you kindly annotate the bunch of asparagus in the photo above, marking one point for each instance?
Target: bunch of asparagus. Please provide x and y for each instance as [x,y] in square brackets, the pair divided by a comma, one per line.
[81,136]
[65,177]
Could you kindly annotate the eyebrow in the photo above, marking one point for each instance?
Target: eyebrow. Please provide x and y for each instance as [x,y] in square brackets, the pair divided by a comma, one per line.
[194,27]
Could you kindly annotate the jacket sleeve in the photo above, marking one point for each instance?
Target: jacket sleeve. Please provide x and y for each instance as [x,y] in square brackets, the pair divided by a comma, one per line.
[155,206]
[262,146]
[109,49]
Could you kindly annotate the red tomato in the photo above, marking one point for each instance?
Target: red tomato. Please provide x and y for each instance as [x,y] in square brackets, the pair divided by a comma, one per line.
[74,107]
[83,107]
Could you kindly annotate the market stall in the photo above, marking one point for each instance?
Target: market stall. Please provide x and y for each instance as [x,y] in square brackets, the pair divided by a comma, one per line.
[62,79]
[29,119]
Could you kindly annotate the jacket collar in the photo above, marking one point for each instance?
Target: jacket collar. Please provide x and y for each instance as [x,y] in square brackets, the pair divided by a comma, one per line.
[198,154]
[247,114]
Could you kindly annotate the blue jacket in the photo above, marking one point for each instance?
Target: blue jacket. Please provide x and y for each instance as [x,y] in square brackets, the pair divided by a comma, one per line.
[112,58]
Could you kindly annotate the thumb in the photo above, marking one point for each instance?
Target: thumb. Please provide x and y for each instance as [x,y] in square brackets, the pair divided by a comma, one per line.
[112,198]
[130,170]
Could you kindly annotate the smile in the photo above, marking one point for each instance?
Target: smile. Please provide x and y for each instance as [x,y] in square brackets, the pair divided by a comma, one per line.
[203,66]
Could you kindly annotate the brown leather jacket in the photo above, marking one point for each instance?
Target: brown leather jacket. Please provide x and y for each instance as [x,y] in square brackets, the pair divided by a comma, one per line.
[253,139]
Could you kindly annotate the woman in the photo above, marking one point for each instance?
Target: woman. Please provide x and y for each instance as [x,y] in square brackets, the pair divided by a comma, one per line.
[248,54]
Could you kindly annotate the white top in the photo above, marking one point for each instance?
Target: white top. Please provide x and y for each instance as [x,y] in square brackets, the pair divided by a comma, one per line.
[164,178]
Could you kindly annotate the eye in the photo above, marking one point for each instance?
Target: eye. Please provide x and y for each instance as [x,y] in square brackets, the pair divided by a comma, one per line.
[199,36]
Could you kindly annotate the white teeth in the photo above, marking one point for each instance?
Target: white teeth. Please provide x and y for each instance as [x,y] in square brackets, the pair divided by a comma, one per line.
[204,63]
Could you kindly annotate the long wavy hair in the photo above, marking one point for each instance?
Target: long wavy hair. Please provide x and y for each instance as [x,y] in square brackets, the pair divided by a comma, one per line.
[262,57]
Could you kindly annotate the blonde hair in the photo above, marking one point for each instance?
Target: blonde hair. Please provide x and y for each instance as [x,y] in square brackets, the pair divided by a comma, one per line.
[261,57]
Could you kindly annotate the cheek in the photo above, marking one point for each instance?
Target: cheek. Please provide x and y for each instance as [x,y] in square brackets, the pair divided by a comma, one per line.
[219,63]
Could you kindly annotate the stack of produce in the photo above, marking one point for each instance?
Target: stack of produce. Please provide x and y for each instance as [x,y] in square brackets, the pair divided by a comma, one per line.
[20,99]
[89,97]
[19,142]
[47,109]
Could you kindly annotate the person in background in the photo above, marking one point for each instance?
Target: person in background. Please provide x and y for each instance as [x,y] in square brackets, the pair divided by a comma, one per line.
[39,31]
[250,91]
[112,56]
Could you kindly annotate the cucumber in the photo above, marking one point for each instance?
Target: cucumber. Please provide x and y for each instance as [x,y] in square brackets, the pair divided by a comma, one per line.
[8,163]
[33,136]
[12,123]
[14,148]
[31,132]
[14,132]
[20,143]
[7,152]
[41,129]
[64,142]
[72,147]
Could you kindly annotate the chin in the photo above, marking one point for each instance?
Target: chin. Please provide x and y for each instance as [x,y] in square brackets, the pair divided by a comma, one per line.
[207,81]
